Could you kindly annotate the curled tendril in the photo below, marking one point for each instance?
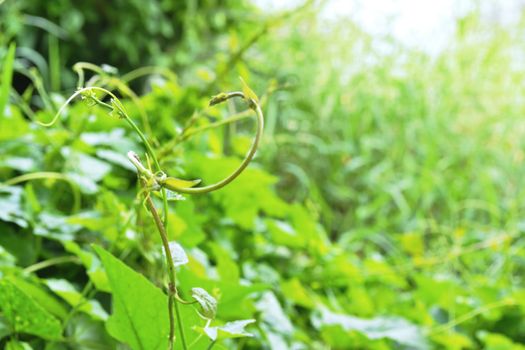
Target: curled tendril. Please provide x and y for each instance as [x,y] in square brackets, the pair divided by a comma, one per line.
[181,186]
[159,180]
[86,93]
[187,186]
[106,75]
[253,104]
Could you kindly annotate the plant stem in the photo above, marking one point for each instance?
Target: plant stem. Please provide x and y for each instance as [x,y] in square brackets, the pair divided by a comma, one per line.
[161,224]
[83,299]
[234,118]
[172,286]
[51,262]
[44,175]
[249,156]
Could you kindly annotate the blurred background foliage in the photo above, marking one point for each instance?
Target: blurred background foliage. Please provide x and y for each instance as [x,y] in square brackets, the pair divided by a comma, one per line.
[384,210]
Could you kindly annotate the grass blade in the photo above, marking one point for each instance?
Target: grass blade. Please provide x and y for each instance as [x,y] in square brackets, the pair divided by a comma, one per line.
[7,76]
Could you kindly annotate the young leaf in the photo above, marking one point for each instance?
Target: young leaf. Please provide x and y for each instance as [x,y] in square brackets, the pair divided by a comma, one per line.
[24,315]
[96,273]
[233,329]
[178,254]
[206,301]
[248,92]
[140,316]
[394,328]
[173,184]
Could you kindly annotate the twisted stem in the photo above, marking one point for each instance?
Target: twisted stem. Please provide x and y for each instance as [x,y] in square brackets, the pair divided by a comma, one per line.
[172,285]
[253,104]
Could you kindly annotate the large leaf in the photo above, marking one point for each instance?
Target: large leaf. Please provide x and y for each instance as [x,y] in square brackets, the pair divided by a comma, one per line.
[24,315]
[394,328]
[140,310]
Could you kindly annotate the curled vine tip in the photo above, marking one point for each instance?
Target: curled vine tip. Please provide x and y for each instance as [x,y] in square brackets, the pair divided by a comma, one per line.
[135,160]
[160,180]
[219,98]
[252,101]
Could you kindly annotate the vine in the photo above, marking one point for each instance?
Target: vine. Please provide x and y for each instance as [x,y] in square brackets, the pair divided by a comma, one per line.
[158,181]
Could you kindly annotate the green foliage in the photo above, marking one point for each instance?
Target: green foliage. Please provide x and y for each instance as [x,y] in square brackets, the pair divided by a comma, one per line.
[24,315]
[382,211]
[139,315]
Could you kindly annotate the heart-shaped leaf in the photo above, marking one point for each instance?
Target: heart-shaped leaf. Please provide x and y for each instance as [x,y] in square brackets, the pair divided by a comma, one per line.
[140,310]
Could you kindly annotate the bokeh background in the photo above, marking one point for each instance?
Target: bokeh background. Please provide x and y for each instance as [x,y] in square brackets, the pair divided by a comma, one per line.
[384,209]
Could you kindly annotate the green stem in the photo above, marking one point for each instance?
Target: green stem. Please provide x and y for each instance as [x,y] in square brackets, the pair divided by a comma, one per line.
[149,70]
[232,119]
[51,262]
[161,224]
[172,286]
[249,156]
[44,175]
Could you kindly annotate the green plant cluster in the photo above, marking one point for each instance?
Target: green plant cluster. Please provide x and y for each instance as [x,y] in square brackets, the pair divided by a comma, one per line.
[382,211]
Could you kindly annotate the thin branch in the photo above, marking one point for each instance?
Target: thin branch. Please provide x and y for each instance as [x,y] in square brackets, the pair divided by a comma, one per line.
[172,286]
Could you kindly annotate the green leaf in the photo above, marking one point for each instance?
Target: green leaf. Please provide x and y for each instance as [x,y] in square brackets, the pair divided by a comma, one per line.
[4,328]
[273,314]
[68,292]
[55,226]
[233,329]
[85,165]
[21,245]
[248,92]
[494,341]
[24,315]
[226,266]
[92,264]
[41,296]
[394,328]
[174,184]
[88,334]
[186,224]
[115,158]
[206,301]
[296,292]
[12,210]
[17,345]
[140,313]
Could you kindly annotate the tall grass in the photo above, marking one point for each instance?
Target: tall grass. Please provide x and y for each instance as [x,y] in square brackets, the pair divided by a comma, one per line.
[395,140]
